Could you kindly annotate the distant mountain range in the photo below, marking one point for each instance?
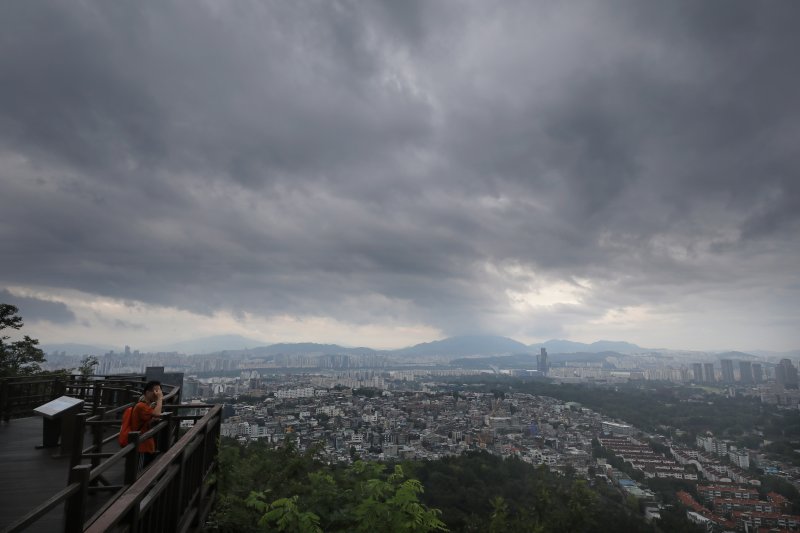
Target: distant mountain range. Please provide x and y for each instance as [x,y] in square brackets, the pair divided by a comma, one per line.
[564,346]
[459,346]
[736,355]
[216,343]
[529,360]
[71,348]
[467,345]
[306,348]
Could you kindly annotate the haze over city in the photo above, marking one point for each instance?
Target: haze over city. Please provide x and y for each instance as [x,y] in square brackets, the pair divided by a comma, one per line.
[385,174]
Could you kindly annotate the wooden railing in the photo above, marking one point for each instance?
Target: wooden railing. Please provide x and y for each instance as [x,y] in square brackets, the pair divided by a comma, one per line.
[21,395]
[176,492]
[106,421]
[175,484]
[172,491]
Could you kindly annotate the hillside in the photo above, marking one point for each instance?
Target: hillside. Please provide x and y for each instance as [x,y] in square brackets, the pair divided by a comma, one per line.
[467,345]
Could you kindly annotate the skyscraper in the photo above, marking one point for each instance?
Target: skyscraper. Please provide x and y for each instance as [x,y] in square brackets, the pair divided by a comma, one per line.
[541,361]
[709,372]
[758,373]
[697,372]
[727,370]
[786,374]
[745,372]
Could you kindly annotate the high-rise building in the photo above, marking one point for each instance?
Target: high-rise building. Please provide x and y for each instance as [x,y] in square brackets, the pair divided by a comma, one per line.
[786,374]
[697,372]
[758,373]
[745,372]
[727,370]
[709,372]
[541,361]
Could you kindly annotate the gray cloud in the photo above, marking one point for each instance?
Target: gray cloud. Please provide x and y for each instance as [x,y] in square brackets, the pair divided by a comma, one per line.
[35,310]
[375,163]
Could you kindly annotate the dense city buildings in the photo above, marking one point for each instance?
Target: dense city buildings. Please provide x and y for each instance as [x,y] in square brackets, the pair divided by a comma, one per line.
[381,409]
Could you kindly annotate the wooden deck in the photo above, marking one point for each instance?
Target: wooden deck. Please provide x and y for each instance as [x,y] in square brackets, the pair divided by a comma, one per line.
[29,476]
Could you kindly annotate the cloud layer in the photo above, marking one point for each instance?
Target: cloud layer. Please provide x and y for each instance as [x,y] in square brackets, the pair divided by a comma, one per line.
[532,169]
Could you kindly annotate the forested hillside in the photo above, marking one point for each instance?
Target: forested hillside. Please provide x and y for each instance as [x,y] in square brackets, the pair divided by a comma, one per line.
[280,489]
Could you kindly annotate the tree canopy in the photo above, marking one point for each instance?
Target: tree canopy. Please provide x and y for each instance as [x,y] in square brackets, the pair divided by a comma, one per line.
[18,358]
[280,489]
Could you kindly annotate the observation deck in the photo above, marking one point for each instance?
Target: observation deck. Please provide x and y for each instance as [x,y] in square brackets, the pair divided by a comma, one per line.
[96,485]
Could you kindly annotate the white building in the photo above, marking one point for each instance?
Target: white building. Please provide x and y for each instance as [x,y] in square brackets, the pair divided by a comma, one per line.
[613,428]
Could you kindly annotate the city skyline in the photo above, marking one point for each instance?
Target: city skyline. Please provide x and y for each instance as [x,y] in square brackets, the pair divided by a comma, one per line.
[396,173]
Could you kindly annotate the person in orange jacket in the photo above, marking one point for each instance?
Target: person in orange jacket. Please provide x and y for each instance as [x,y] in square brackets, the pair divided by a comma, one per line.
[147,409]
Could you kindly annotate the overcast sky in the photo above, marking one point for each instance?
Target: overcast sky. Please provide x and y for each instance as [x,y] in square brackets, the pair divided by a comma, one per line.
[388,173]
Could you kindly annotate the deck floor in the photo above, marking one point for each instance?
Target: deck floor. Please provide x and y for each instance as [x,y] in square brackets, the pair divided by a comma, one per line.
[29,476]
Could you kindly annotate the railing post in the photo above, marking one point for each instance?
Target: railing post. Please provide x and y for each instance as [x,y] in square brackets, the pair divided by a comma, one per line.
[6,412]
[59,388]
[97,436]
[164,436]
[106,396]
[182,474]
[77,440]
[76,504]
[67,388]
[208,454]
[132,459]
[96,391]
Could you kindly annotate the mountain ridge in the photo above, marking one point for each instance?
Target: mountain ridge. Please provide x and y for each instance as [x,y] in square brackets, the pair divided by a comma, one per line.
[456,346]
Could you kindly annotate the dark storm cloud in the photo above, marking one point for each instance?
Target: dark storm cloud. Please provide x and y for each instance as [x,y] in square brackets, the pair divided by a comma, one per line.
[34,309]
[398,161]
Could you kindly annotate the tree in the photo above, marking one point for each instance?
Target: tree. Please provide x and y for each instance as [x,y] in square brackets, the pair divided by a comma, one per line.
[19,358]
[284,514]
[88,363]
[499,517]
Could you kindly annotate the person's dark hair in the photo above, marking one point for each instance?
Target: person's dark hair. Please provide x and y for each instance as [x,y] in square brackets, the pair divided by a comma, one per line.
[150,385]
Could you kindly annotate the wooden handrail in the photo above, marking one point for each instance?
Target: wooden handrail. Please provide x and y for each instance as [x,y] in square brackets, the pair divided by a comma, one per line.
[150,486]
[40,510]
[167,478]
[97,393]
[20,395]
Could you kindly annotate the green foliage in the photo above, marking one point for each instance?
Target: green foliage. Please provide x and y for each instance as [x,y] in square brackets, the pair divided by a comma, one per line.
[284,514]
[87,365]
[499,517]
[19,358]
[266,489]
[478,491]
[393,504]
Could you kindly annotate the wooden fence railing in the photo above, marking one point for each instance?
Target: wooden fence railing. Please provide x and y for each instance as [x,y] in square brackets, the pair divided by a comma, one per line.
[21,395]
[175,487]
[176,493]
[175,483]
